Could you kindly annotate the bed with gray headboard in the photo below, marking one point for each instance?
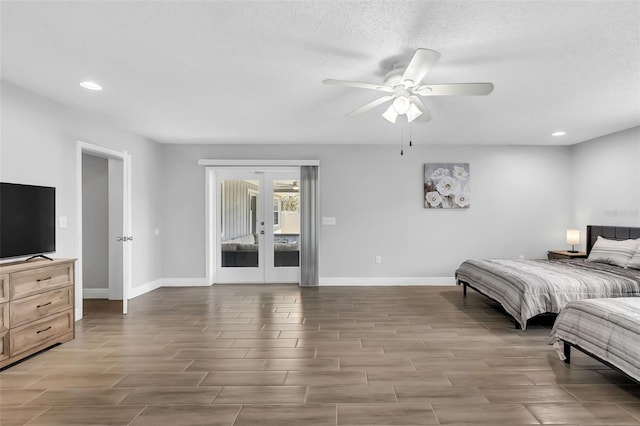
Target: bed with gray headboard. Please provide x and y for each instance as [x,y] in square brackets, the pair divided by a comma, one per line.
[527,288]
[611,233]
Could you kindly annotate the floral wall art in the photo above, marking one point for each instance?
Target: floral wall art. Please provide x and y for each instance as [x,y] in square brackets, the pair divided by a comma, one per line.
[446,186]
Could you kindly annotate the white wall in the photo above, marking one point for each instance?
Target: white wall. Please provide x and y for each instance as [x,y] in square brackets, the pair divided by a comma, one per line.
[520,205]
[606,181]
[95,222]
[38,146]
[523,197]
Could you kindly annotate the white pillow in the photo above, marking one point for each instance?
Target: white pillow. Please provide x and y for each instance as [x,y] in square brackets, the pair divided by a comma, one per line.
[613,252]
[635,260]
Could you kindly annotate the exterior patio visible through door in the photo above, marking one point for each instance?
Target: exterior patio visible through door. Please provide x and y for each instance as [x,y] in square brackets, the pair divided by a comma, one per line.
[258,226]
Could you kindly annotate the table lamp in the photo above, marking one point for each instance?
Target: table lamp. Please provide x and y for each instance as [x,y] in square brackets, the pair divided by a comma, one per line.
[573,238]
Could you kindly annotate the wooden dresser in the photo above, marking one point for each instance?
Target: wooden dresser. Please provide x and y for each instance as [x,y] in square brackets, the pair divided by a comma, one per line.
[36,307]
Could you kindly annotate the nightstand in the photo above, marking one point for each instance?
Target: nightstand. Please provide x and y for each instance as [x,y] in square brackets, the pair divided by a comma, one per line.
[564,254]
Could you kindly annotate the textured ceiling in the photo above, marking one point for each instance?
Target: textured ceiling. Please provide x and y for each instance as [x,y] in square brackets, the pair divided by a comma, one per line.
[251,72]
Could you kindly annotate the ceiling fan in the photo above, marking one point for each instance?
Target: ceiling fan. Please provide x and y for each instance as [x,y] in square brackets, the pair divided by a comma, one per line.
[403,83]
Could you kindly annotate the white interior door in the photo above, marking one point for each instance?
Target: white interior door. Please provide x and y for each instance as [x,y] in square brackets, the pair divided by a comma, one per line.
[116,231]
[257,226]
[127,230]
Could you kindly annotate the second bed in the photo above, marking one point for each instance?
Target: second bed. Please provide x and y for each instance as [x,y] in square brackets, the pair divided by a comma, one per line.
[606,329]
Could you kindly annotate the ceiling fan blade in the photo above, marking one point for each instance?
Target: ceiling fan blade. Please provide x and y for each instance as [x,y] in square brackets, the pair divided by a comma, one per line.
[358,84]
[420,64]
[455,89]
[426,115]
[369,106]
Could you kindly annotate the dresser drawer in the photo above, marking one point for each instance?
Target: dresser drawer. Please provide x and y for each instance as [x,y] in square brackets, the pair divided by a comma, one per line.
[4,317]
[40,331]
[40,305]
[26,283]
[4,345]
[4,288]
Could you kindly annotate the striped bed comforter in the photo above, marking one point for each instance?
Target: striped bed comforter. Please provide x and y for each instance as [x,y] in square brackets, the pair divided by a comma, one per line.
[606,328]
[526,288]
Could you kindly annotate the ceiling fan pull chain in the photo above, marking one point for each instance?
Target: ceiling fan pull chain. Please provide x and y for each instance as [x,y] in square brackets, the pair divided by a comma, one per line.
[401,143]
[410,143]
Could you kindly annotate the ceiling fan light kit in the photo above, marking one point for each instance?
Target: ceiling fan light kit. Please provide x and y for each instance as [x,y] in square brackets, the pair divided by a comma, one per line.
[404,84]
[411,110]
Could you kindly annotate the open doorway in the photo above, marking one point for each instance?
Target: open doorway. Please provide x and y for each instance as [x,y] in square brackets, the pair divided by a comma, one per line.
[103,270]
[102,193]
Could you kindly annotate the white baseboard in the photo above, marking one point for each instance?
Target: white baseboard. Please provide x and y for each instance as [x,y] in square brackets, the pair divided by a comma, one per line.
[324,281]
[184,282]
[386,281]
[166,282]
[95,293]
[144,288]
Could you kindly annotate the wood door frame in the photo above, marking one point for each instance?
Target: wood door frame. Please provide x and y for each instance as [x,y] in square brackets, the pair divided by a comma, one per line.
[127,261]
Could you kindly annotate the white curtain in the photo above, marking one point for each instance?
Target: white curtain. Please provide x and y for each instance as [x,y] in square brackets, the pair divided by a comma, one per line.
[309,275]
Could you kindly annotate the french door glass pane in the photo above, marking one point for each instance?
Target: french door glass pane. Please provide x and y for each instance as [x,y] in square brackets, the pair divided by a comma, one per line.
[239,223]
[286,222]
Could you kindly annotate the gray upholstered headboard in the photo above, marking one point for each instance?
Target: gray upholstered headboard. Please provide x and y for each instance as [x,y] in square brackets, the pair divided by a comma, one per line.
[610,232]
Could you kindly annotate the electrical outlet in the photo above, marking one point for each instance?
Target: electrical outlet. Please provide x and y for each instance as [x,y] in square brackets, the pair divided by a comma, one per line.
[378,259]
[328,220]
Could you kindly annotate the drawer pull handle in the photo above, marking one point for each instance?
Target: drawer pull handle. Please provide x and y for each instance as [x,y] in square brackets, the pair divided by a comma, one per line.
[41,331]
[43,279]
[40,306]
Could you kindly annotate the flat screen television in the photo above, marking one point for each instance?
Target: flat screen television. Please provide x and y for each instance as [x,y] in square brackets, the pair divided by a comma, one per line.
[27,220]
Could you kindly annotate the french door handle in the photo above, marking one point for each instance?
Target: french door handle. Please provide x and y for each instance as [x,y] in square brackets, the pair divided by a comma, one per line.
[120,239]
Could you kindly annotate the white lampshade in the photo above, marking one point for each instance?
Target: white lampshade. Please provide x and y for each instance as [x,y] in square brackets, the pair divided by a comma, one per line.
[413,113]
[573,236]
[401,105]
[390,115]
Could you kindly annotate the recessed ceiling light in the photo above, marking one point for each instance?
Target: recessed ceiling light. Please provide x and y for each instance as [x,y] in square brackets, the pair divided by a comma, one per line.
[560,133]
[90,85]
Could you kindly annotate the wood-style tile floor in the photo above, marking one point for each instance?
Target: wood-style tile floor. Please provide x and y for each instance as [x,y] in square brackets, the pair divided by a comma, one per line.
[283,355]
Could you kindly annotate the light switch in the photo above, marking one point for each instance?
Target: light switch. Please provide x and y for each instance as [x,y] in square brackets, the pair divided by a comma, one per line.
[63,221]
[328,220]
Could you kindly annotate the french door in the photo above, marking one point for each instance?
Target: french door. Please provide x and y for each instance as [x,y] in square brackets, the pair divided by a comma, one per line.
[257,236]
